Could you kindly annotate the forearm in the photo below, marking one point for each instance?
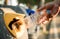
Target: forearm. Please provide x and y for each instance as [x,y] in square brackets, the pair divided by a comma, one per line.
[46,6]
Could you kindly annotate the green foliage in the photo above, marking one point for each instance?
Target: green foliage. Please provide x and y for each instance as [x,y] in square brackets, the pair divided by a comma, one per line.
[32,2]
[48,1]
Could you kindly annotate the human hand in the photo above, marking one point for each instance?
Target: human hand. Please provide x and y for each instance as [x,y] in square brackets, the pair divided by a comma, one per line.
[49,11]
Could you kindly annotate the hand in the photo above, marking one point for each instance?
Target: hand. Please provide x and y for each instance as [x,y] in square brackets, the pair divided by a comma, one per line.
[47,16]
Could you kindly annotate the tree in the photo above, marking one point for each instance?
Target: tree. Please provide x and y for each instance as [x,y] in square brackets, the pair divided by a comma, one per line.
[48,1]
[30,2]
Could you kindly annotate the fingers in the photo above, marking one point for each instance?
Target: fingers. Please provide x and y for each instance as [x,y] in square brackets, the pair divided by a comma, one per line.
[43,20]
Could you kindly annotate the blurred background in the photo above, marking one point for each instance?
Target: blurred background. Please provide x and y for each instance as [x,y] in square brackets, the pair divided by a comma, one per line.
[50,30]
